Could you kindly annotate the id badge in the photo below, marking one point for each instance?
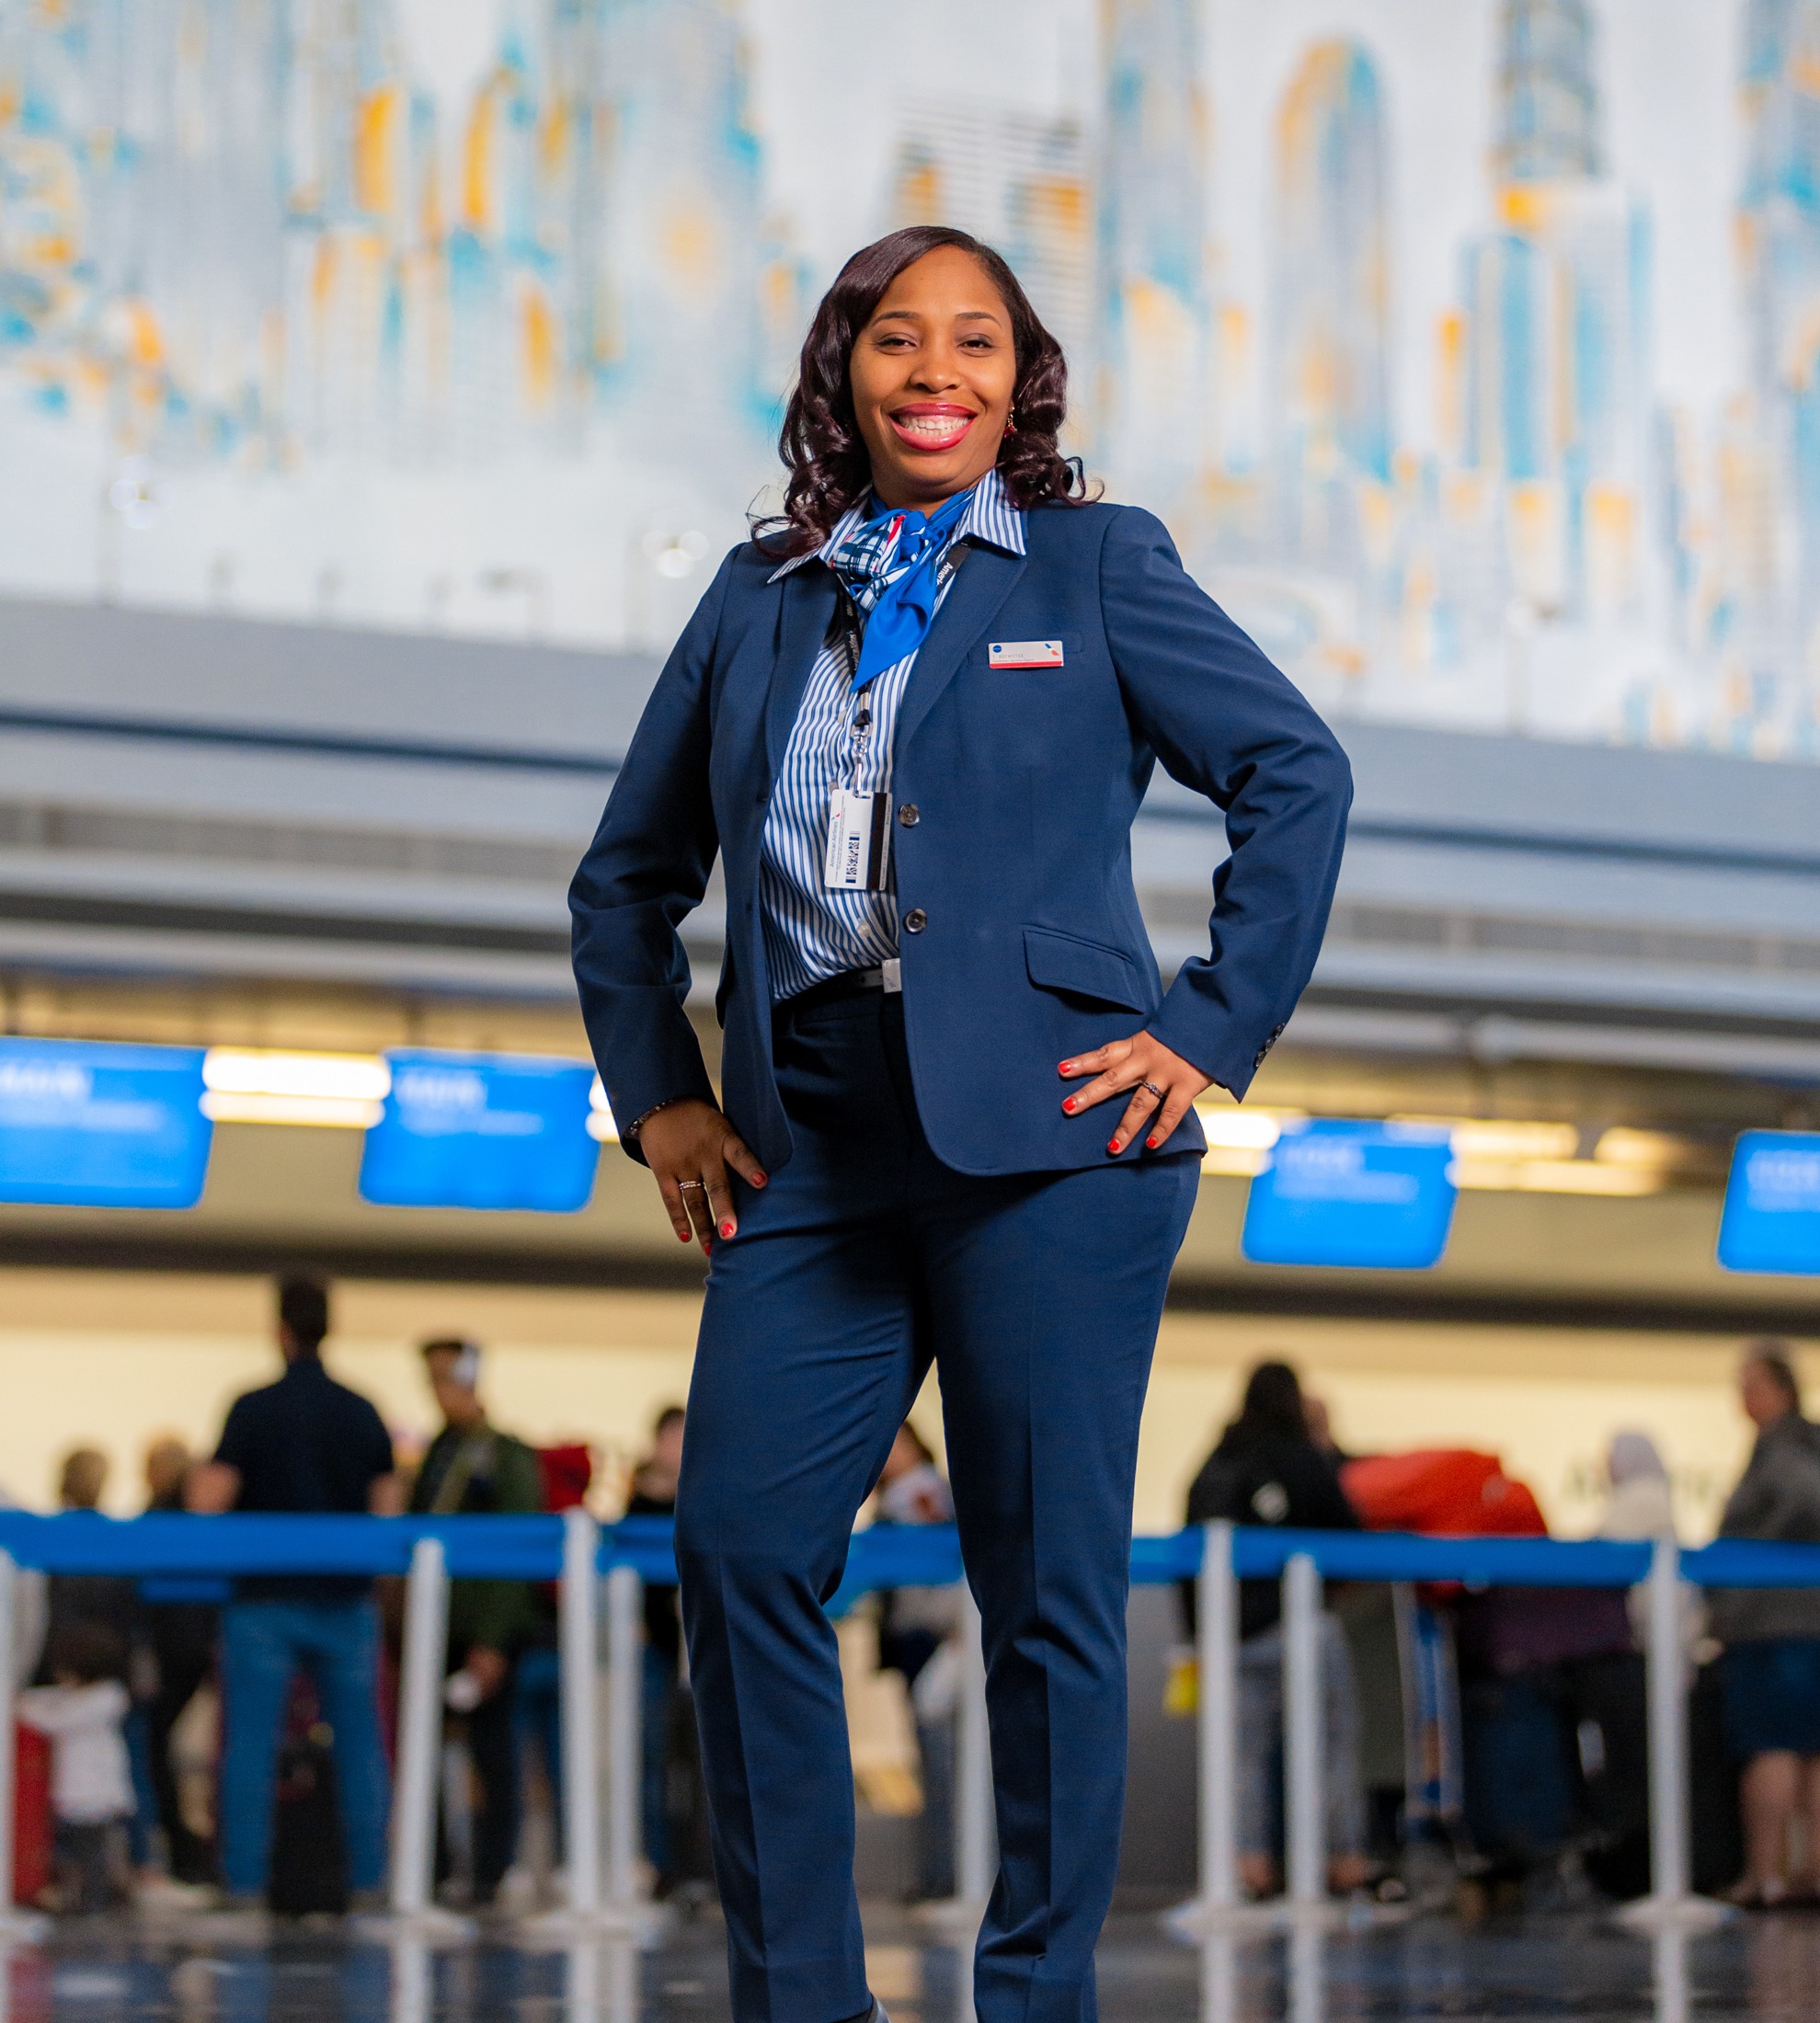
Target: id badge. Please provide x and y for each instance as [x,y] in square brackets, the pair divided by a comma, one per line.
[859,841]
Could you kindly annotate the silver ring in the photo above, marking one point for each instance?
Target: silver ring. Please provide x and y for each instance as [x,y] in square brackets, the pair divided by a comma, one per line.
[698,1185]
[1153,1090]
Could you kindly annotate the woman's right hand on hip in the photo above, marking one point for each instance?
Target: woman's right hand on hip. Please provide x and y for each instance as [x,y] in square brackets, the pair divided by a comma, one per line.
[689,1146]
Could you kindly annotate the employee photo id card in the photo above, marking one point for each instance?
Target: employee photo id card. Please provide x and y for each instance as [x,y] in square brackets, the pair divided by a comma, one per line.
[859,841]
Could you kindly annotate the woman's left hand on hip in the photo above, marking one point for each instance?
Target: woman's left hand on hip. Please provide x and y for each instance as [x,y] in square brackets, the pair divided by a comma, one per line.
[1161,1087]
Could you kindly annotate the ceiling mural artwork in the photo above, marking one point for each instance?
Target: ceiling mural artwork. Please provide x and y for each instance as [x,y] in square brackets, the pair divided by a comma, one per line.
[1470,347]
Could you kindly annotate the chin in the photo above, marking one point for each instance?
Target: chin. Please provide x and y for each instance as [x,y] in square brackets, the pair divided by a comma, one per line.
[945,473]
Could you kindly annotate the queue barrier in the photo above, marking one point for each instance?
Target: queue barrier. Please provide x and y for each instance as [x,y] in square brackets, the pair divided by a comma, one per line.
[532,1548]
[584,1558]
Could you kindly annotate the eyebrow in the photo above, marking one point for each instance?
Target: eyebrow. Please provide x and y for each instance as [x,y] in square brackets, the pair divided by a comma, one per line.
[914,315]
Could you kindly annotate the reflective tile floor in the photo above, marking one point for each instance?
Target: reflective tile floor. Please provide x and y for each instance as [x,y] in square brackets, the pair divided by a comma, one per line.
[112,1971]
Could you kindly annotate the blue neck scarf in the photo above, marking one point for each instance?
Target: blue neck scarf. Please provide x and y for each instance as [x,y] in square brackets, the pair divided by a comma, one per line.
[888,565]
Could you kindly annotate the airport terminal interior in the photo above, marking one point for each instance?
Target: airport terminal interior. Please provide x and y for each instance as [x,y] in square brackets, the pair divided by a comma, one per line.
[290,915]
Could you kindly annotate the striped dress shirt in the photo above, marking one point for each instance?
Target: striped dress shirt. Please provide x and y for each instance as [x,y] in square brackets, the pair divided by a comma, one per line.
[812,930]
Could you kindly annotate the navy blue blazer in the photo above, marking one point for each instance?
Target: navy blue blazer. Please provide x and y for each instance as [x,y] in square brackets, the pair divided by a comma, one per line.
[1031,946]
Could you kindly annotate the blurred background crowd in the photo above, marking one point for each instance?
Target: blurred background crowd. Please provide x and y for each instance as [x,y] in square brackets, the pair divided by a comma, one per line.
[192,1741]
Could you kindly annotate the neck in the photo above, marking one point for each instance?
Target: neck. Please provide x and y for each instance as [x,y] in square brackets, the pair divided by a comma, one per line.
[900,498]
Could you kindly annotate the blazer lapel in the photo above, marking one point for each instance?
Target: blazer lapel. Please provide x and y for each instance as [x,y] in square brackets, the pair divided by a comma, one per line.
[802,624]
[983,582]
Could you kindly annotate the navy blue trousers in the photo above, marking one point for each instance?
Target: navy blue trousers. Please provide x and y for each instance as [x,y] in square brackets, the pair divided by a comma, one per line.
[1038,1296]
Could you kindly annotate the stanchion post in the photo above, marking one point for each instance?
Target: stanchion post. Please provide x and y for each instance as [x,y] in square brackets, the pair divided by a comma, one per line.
[1304,1809]
[1217,1711]
[419,1728]
[578,1634]
[1667,1728]
[975,1834]
[1670,1905]
[625,1734]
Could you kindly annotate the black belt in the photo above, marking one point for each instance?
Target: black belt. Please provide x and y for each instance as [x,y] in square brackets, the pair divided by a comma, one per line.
[849,983]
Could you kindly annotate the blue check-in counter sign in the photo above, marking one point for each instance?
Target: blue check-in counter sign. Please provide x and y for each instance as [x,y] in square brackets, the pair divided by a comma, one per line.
[87,1123]
[1346,1192]
[1771,1219]
[482,1131]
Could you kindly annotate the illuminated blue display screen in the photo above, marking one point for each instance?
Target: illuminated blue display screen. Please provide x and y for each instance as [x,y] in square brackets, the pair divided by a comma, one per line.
[482,1131]
[1342,1192]
[86,1125]
[1771,1221]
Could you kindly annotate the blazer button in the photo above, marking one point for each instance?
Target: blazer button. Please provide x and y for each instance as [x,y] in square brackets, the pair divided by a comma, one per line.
[910,814]
[915,921]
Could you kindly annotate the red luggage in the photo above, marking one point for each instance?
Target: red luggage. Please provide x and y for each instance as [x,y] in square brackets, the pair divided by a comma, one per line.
[32,1825]
[1442,1492]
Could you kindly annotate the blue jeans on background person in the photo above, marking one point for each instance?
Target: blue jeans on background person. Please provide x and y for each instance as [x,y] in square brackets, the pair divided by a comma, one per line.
[264,1645]
[537,1721]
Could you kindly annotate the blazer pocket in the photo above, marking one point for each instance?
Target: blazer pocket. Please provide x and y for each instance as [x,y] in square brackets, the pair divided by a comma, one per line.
[1089,969]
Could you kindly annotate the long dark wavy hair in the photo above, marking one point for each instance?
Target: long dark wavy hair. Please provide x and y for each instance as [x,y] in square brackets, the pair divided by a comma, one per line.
[829,469]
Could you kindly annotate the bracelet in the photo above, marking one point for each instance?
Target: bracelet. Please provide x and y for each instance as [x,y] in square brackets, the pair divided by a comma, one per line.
[630,1134]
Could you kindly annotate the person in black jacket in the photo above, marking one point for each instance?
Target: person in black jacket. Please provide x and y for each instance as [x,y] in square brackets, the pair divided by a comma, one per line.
[1267,1470]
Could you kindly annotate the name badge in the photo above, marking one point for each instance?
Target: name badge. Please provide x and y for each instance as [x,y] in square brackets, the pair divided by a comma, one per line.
[859,842]
[1024,653]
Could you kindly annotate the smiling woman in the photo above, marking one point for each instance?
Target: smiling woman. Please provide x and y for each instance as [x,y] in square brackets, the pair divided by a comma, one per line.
[916,716]
[925,368]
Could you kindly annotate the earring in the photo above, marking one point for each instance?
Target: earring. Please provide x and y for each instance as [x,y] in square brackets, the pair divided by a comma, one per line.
[1011,422]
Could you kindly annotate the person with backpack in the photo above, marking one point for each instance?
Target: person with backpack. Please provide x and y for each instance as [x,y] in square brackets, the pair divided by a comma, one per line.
[473,1469]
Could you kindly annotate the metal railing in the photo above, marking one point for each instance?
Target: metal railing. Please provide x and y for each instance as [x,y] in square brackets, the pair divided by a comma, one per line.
[582,1557]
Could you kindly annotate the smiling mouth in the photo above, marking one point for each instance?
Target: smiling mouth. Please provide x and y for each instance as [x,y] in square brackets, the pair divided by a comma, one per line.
[932,428]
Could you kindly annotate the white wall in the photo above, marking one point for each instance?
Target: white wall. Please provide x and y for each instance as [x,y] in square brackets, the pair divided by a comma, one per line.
[115,1359]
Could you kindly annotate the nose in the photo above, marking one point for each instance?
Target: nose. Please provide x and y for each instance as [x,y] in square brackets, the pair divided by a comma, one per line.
[937,369]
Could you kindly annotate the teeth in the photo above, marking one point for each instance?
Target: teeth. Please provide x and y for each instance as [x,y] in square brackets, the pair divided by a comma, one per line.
[936,427]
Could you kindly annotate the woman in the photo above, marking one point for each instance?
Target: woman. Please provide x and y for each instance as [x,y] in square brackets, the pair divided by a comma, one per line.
[916,718]
[1269,1469]
[1770,1670]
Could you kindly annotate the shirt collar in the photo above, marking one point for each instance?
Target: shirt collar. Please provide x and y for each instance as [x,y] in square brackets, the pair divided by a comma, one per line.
[990,519]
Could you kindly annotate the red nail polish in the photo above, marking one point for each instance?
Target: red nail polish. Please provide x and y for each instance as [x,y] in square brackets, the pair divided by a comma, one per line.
[1064,1067]
[1113,1147]
[1069,1105]
[683,1236]
[759,1179]
[1152,1143]
[726,1228]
